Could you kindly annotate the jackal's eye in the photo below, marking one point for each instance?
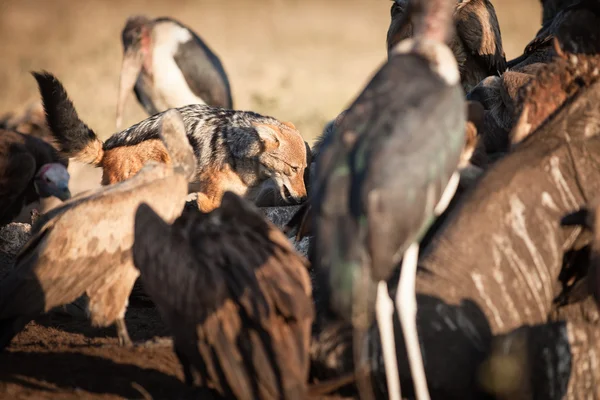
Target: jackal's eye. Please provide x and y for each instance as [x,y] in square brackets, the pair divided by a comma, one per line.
[295,169]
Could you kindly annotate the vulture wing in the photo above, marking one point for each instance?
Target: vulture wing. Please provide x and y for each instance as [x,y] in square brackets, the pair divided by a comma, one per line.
[236,295]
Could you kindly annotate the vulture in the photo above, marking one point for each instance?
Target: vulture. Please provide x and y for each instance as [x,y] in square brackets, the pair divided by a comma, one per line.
[84,246]
[169,66]
[477,44]
[30,170]
[235,295]
[382,177]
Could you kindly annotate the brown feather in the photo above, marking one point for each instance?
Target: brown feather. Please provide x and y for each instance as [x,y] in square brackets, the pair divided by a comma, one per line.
[84,247]
[236,296]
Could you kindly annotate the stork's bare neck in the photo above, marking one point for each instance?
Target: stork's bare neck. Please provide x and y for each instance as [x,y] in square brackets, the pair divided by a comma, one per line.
[433,19]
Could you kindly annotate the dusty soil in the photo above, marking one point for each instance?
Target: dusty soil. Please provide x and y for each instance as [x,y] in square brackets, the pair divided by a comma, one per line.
[59,357]
[297,60]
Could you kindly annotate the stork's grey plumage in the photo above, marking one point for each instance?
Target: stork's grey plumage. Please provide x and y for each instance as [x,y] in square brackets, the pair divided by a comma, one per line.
[84,245]
[380,177]
[168,66]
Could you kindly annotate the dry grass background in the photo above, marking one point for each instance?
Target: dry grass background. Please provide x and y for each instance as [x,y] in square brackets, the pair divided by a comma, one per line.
[297,60]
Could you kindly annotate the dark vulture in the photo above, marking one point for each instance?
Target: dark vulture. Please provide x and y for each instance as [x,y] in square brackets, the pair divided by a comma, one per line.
[382,177]
[30,169]
[84,246]
[235,295]
[169,66]
[477,44]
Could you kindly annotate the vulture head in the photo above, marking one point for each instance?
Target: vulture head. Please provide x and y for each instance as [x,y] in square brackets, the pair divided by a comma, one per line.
[52,180]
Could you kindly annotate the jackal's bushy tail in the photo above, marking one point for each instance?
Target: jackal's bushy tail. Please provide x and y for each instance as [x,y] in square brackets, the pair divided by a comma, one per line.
[75,139]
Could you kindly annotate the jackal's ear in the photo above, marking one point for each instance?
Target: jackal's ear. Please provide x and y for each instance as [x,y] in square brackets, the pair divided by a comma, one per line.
[249,142]
[268,134]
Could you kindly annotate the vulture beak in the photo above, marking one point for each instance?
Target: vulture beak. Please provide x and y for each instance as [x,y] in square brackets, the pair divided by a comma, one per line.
[62,192]
[132,64]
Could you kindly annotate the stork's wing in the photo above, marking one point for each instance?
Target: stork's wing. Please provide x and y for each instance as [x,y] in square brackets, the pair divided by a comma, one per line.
[407,132]
[204,73]
[478,28]
[141,89]
[408,172]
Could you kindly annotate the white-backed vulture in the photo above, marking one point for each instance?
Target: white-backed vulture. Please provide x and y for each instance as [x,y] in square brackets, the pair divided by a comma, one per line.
[84,245]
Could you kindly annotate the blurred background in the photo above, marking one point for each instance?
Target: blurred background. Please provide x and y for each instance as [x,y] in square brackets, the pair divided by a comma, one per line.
[296,60]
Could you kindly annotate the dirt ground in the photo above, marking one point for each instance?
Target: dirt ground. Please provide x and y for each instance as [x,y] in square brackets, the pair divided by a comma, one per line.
[297,60]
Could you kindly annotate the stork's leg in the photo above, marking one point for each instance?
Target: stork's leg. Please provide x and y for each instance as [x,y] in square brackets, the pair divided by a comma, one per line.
[448,194]
[124,339]
[406,303]
[384,309]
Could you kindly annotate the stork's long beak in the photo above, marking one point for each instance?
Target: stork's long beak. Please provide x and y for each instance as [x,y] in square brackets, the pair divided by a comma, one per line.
[132,64]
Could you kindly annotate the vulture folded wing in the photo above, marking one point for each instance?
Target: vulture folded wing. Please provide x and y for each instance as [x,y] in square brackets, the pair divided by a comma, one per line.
[17,169]
[188,294]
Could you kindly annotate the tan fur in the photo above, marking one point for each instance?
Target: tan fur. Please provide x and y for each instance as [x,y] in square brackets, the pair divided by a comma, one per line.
[213,184]
[123,162]
[289,125]
[91,154]
[281,159]
[280,154]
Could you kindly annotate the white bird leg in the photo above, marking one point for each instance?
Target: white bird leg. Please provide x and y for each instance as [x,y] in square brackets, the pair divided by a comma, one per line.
[448,194]
[406,303]
[384,312]
[406,299]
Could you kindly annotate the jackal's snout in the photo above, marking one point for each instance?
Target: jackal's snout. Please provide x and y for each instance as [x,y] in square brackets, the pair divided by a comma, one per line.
[293,190]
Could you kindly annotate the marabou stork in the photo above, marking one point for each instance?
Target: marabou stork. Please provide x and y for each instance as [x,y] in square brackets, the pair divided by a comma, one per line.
[169,66]
[382,177]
